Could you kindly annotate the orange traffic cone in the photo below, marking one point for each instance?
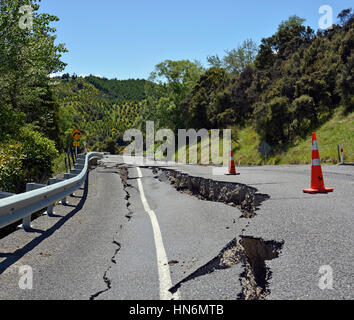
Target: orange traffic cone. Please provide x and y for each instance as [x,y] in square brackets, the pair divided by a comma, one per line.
[317,183]
[232,168]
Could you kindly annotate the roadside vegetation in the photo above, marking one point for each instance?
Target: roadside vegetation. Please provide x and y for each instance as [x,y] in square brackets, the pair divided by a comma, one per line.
[296,82]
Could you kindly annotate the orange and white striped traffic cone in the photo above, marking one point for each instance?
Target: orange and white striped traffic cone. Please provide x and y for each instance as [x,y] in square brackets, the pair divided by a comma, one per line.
[317,183]
[232,168]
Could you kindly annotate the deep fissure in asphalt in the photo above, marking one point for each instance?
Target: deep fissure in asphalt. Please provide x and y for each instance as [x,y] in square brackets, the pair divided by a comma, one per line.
[256,275]
[233,194]
[252,253]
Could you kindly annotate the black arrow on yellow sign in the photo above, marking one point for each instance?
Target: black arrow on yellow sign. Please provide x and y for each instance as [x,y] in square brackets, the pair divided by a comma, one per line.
[76,134]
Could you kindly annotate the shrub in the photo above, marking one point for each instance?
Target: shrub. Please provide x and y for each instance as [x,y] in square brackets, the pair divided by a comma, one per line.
[28,160]
[39,153]
[11,172]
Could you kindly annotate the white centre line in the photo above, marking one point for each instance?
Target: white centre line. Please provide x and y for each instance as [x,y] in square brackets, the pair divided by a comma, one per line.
[162,262]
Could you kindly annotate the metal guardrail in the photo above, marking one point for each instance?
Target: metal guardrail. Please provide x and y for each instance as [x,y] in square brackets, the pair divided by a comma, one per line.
[21,206]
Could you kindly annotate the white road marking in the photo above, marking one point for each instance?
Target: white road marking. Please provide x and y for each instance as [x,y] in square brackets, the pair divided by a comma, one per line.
[162,262]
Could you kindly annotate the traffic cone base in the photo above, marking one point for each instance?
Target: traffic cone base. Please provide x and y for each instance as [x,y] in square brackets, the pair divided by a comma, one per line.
[313,191]
[232,174]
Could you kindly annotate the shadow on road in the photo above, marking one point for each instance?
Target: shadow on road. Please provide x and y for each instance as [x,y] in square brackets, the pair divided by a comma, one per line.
[12,258]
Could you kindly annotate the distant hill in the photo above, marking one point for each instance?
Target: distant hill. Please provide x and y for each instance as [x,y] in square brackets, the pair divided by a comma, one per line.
[102,110]
[121,90]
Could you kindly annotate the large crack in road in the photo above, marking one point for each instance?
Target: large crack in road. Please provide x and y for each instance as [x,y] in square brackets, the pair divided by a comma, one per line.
[251,252]
[106,280]
[233,194]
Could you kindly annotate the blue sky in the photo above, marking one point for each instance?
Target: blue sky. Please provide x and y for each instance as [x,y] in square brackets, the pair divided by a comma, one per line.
[126,39]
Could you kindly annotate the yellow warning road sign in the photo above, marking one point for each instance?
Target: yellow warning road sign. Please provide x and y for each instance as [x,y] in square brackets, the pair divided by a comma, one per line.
[76,144]
[76,134]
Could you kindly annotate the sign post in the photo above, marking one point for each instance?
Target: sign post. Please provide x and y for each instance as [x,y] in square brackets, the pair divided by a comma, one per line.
[265,149]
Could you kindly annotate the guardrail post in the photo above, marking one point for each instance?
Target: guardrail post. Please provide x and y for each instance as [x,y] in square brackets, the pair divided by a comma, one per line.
[50,209]
[56,180]
[80,162]
[79,166]
[26,221]
[75,171]
[69,176]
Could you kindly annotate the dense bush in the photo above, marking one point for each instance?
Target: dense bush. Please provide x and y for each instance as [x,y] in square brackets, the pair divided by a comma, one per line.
[39,153]
[29,160]
[11,170]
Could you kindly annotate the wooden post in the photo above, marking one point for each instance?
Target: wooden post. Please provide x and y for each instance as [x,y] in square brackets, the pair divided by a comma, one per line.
[72,155]
[68,155]
[66,164]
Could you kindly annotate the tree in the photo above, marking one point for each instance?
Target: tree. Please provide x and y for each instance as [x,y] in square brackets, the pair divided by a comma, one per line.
[236,60]
[174,80]
[177,77]
[198,108]
[346,17]
[215,61]
[272,120]
[290,36]
[27,57]
[28,109]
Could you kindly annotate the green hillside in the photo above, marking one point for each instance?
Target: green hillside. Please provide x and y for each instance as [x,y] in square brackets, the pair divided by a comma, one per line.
[121,90]
[101,119]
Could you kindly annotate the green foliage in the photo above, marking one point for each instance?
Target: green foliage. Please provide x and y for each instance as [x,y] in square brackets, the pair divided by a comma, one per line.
[29,112]
[293,85]
[28,160]
[174,80]
[11,169]
[200,105]
[26,59]
[120,90]
[101,119]
[236,60]
[298,81]
[38,154]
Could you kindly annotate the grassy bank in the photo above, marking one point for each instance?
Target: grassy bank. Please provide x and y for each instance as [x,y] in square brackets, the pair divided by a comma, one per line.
[339,130]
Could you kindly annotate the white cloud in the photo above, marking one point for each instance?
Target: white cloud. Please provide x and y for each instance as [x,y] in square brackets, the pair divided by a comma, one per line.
[87,75]
[53,75]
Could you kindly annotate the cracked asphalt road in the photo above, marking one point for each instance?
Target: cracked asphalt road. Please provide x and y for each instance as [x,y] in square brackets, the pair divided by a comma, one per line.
[92,250]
